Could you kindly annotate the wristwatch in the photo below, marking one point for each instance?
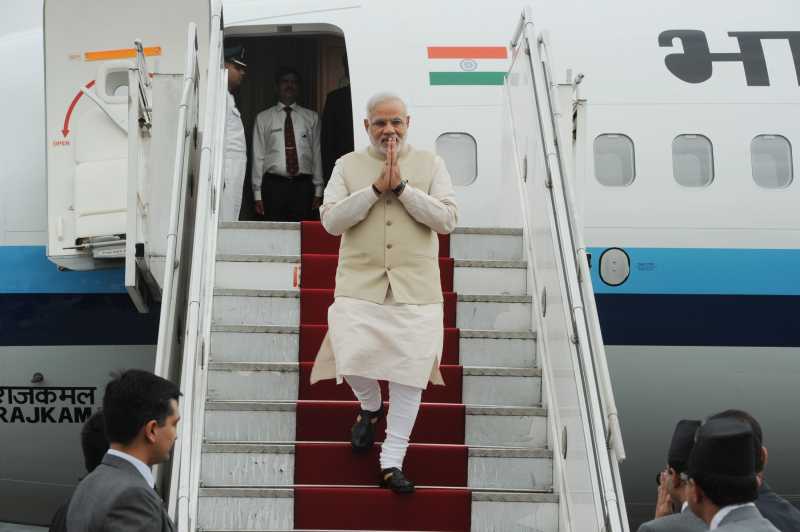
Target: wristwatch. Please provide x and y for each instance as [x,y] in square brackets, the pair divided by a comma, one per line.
[400,188]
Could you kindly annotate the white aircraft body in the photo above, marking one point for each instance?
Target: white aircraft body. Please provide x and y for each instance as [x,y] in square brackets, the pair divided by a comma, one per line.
[686,135]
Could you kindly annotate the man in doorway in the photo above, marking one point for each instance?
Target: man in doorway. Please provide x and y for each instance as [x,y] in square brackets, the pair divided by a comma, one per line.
[141,416]
[337,125]
[287,165]
[672,485]
[386,322]
[722,477]
[235,144]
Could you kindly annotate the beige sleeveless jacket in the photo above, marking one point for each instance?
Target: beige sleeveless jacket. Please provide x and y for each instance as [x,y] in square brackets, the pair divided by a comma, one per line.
[389,246]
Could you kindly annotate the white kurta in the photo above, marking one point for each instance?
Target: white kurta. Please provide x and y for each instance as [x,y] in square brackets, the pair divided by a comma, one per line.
[391,341]
[235,163]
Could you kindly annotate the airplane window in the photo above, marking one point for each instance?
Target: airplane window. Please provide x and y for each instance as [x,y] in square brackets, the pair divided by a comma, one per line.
[460,154]
[771,157]
[614,160]
[692,160]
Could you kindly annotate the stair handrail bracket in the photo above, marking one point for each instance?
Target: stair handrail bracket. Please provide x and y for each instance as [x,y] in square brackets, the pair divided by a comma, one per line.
[566,320]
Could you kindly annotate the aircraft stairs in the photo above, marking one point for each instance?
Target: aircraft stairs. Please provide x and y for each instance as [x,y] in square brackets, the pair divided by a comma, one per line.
[276,452]
[524,436]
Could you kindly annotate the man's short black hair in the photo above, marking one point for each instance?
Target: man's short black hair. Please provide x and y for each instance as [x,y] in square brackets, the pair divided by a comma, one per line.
[724,492]
[132,400]
[758,436]
[284,71]
[93,441]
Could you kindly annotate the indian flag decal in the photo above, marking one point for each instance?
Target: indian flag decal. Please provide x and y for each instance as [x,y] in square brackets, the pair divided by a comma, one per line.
[467,65]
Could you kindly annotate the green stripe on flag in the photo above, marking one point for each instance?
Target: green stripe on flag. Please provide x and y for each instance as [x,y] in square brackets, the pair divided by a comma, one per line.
[467,78]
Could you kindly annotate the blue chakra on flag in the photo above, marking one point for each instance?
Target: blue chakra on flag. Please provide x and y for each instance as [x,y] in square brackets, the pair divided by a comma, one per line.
[468,65]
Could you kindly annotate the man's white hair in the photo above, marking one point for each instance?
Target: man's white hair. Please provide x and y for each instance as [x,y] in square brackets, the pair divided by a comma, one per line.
[383,97]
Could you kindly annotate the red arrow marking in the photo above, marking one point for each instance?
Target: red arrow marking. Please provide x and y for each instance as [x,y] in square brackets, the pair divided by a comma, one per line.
[77,97]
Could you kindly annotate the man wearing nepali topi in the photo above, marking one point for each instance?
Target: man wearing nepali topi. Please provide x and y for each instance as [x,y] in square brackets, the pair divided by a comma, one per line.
[386,323]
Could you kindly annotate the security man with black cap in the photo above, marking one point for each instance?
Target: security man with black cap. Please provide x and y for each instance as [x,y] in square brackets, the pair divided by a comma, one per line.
[722,477]
[779,511]
[235,143]
[672,485]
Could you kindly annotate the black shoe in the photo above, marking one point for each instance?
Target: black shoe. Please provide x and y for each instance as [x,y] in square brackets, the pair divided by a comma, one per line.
[395,480]
[362,435]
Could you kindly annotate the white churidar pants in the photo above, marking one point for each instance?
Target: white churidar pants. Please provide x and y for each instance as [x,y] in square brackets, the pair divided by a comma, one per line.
[403,409]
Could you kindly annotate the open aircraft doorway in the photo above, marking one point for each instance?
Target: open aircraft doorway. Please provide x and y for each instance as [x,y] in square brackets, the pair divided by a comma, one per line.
[318,54]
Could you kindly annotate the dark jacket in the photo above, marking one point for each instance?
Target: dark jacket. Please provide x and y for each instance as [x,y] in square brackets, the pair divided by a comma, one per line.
[116,498]
[779,511]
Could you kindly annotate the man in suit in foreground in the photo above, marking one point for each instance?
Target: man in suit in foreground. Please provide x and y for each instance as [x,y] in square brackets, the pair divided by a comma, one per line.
[722,477]
[672,485]
[141,414]
[775,508]
[94,445]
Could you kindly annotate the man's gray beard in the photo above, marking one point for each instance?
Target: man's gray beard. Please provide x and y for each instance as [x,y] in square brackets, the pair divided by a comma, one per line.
[381,148]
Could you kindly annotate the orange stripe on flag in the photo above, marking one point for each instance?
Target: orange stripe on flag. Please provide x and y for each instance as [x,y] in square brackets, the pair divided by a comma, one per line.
[467,52]
[124,53]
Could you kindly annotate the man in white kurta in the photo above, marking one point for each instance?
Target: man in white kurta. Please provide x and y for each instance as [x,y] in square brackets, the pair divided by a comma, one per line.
[235,144]
[388,202]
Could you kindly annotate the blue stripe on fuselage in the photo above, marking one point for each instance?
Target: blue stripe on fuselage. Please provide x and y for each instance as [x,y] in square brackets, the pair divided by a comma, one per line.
[758,272]
[702,297]
[26,270]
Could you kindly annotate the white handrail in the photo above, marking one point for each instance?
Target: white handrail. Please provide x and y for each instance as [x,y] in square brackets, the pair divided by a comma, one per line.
[195,344]
[587,294]
[595,398]
[166,318]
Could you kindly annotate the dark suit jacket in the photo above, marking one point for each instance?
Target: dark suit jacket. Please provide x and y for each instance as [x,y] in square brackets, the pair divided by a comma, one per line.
[747,519]
[336,138]
[777,510]
[116,498]
[684,521]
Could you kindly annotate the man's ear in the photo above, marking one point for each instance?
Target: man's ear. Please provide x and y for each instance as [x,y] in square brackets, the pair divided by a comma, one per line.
[764,457]
[366,124]
[408,120]
[150,430]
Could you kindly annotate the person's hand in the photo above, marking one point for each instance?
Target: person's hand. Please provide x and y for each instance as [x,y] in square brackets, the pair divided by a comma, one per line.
[316,202]
[384,180]
[664,501]
[394,174]
[260,207]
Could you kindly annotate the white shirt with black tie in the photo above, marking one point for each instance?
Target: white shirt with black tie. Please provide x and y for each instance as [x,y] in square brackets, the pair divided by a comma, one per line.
[269,150]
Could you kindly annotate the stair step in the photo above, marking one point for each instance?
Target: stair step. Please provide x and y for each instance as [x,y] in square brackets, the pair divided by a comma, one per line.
[278,421]
[251,343]
[232,381]
[304,508]
[282,307]
[281,272]
[247,464]
[283,238]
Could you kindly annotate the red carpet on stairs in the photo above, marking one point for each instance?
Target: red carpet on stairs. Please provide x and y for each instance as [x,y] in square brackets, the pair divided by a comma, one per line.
[343,466]
[336,489]
[376,509]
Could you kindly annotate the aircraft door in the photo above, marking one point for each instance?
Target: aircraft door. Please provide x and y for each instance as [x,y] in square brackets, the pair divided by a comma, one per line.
[89,49]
